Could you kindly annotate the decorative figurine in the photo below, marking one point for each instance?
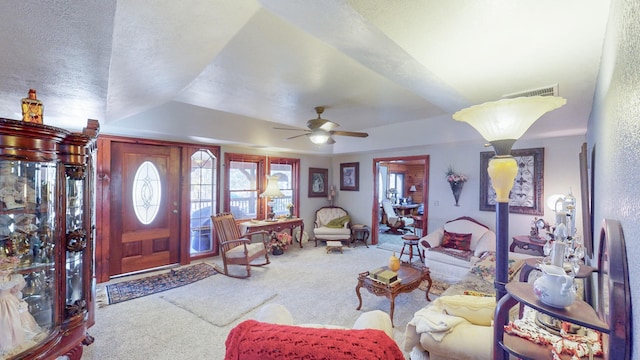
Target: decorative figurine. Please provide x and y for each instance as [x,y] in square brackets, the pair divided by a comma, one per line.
[32,108]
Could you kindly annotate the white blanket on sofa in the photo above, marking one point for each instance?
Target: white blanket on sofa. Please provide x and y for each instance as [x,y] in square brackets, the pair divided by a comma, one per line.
[433,321]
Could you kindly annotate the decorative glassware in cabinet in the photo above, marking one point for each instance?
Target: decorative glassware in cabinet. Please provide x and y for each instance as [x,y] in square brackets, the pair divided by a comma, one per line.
[76,241]
[27,254]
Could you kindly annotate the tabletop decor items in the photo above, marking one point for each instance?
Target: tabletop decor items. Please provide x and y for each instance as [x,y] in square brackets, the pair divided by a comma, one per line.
[279,243]
[554,288]
[456,181]
[32,108]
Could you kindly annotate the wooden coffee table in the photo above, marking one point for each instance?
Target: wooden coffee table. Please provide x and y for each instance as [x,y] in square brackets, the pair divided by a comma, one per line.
[410,278]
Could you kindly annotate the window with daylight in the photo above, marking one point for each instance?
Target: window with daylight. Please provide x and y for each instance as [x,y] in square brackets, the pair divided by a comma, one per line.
[246,178]
[203,199]
[146,192]
[287,171]
[396,181]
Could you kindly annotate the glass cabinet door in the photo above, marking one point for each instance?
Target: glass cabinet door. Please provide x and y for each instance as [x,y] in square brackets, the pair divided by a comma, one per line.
[76,241]
[27,254]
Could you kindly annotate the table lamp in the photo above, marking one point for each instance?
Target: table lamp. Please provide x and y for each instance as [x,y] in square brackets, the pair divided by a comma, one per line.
[501,123]
[271,192]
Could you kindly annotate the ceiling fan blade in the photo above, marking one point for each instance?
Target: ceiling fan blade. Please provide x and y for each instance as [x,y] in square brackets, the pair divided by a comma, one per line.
[350,133]
[323,124]
[296,129]
[295,136]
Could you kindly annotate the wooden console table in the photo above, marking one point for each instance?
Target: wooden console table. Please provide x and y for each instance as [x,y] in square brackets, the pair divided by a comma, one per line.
[249,227]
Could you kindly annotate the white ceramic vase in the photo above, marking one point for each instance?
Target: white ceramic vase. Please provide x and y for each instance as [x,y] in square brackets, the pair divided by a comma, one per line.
[554,288]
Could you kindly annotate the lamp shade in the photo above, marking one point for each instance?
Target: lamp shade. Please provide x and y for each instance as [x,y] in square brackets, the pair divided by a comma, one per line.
[412,188]
[272,190]
[507,119]
[319,136]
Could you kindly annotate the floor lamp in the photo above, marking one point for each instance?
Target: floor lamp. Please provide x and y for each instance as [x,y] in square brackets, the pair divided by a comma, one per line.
[501,123]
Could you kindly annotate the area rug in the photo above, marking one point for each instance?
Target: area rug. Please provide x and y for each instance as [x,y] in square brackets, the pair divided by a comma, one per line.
[233,298]
[437,287]
[132,289]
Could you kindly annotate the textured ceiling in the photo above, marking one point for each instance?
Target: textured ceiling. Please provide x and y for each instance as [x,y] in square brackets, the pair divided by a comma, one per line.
[228,71]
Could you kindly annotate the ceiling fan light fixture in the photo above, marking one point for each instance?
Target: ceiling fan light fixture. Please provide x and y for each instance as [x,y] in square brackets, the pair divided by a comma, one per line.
[319,136]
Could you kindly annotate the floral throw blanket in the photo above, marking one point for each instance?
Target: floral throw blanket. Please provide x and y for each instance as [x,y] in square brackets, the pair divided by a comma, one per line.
[577,346]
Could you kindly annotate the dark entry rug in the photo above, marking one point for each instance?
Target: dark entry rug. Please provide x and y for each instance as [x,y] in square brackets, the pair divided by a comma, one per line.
[133,289]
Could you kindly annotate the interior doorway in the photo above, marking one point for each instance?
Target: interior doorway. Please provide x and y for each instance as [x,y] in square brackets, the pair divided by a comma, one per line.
[410,176]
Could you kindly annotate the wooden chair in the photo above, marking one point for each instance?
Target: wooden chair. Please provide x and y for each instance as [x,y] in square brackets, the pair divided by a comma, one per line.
[237,249]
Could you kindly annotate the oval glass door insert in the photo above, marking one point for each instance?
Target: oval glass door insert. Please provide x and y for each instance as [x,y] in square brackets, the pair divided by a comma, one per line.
[146,192]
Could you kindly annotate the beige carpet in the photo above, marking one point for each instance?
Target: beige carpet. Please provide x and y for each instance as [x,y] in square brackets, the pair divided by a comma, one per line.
[192,321]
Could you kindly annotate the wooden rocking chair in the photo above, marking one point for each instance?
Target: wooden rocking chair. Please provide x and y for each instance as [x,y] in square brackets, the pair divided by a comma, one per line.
[237,249]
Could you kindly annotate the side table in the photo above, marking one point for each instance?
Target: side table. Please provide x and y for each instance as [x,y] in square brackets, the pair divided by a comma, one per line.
[525,242]
[360,233]
[410,278]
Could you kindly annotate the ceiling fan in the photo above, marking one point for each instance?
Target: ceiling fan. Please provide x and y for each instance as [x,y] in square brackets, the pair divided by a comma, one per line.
[321,131]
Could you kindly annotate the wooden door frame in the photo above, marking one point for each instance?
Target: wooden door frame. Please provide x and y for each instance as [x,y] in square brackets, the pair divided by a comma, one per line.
[375,229]
[103,195]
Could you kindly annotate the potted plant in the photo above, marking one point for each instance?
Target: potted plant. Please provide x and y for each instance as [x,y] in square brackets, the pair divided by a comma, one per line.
[279,243]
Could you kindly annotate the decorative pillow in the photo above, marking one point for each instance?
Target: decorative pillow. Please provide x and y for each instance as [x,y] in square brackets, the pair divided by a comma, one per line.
[456,241]
[338,222]
[476,310]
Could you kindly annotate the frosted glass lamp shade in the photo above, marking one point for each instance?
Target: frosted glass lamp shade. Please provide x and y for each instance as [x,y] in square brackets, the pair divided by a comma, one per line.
[504,121]
[272,190]
[319,136]
[554,200]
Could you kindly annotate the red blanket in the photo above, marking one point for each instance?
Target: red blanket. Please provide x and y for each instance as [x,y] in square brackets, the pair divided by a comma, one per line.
[254,340]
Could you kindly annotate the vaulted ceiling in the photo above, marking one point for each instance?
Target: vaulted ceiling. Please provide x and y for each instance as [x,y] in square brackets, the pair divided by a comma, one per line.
[228,71]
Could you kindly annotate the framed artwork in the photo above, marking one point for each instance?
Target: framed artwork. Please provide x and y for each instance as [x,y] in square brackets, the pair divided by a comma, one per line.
[350,176]
[586,193]
[527,194]
[318,182]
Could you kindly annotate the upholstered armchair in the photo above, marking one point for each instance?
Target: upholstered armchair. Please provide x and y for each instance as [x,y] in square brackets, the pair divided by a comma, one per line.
[396,223]
[332,224]
[273,335]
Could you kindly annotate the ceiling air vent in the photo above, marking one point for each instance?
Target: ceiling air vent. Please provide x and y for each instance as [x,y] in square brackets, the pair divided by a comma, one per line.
[551,90]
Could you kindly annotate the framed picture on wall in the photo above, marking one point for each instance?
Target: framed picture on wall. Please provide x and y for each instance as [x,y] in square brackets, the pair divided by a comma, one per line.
[318,182]
[586,193]
[527,192]
[350,176]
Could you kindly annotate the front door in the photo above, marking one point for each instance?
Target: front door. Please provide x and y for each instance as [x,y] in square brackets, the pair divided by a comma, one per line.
[145,209]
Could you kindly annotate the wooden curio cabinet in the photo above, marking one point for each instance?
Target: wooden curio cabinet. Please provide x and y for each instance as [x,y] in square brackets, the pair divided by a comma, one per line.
[46,239]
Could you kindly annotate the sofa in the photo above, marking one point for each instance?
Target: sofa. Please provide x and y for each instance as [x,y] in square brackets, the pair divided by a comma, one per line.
[459,324]
[273,335]
[332,224]
[450,250]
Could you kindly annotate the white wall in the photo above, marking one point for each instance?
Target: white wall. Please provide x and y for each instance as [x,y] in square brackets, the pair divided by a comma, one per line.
[561,173]
[614,132]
